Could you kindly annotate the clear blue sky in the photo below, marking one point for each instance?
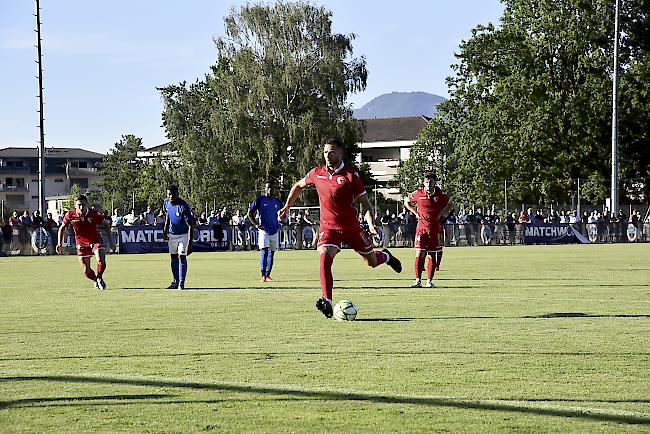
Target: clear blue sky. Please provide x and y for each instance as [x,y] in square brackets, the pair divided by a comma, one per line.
[104,60]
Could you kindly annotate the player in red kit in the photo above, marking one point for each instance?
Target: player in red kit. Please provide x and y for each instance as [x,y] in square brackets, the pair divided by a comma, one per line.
[86,223]
[338,187]
[430,201]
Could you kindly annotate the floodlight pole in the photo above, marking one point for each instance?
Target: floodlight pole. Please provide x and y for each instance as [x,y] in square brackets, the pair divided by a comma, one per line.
[41,147]
[614,186]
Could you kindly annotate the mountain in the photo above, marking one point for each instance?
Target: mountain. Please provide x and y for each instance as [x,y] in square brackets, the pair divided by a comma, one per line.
[399,104]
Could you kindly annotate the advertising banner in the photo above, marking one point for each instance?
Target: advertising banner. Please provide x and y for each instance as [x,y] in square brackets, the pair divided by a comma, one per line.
[553,234]
[149,239]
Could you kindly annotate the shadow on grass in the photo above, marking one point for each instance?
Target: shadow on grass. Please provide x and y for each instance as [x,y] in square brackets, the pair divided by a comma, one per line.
[585,315]
[501,406]
[45,402]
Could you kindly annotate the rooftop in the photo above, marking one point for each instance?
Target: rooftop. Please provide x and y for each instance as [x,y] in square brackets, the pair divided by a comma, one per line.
[394,129]
[70,153]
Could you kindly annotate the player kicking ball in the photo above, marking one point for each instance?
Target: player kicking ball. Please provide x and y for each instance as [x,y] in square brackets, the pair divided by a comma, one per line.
[338,187]
[267,207]
[431,202]
[178,231]
[85,223]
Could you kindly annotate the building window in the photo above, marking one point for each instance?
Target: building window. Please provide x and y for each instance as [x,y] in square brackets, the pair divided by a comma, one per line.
[16,182]
[58,180]
[35,197]
[15,164]
[15,199]
[81,182]
[79,164]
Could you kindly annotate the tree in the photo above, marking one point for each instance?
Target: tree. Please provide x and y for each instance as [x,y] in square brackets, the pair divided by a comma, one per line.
[530,103]
[124,175]
[277,90]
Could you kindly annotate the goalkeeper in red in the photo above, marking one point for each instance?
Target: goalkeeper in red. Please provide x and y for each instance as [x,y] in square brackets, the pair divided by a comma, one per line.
[86,223]
[431,202]
[338,187]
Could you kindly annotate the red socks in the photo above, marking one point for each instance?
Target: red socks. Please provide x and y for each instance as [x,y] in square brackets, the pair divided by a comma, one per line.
[419,266]
[91,274]
[326,279]
[431,267]
[382,257]
[100,269]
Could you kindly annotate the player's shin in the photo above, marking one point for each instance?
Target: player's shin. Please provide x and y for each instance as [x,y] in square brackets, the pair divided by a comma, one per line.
[431,266]
[382,257]
[263,261]
[182,269]
[438,259]
[326,278]
[101,267]
[90,274]
[174,265]
[269,265]
[419,266]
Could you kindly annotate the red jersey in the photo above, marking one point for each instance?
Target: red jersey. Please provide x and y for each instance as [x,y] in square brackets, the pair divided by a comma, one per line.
[337,192]
[86,228]
[429,207]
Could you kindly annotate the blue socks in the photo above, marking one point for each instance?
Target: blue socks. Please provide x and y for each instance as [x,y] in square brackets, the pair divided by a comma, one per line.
[175,267]
[182,270]
[266,261]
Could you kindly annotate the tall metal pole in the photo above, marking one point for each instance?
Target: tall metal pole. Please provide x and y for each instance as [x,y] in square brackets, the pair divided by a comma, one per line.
[41,148]
[505,195]
[578,207]
[614,187]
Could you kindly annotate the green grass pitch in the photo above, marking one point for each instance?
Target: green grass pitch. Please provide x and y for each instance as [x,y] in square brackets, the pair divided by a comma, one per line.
[540,338]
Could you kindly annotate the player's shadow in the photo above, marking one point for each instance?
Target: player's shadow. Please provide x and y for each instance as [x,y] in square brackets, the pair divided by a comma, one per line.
[46,402]
[584,315]
[288,392]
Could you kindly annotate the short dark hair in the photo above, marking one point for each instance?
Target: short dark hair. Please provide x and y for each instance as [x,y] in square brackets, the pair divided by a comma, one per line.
[82,197]
[430,175]
[334,142]
[270,182]
[172,188]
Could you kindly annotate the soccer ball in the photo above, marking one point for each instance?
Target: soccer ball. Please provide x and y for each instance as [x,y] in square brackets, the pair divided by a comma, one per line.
[345,310]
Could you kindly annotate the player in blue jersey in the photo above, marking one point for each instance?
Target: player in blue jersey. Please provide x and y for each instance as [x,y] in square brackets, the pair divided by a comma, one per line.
[268,228]
[178,231]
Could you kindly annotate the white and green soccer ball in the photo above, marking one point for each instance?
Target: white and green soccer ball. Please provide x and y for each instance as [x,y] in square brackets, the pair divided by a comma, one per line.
[345,310]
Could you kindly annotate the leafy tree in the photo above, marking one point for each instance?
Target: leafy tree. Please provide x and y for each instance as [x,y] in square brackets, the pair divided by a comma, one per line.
[69,203]
[277,90]
[530,103]
[125,175]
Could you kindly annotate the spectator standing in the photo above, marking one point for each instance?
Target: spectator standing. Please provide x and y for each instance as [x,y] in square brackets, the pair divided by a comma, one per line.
[150,217]
[131,219]
[25,219]
[37,220]
[203,219]
[116,219]
[160,218]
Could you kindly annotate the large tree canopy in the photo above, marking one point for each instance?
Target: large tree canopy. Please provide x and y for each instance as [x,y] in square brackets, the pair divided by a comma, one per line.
[277,90]
[530,104]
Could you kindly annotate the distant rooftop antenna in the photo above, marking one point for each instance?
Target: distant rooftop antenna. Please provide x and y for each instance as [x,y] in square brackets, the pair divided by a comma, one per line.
[41,148]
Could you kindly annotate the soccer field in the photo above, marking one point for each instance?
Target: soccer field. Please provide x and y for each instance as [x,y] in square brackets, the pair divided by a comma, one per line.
[540,338]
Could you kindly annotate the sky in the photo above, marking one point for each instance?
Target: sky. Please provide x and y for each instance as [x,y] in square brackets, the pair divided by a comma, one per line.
[104,60]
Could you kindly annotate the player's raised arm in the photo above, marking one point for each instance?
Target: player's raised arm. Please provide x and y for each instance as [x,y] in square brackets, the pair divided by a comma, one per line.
[297,188]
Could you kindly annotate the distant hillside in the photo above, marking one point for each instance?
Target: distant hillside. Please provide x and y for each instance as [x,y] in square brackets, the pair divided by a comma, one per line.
[399,104]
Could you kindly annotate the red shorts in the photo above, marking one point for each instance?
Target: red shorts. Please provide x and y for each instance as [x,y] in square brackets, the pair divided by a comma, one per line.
[356,239]
[427,240]
[88,250]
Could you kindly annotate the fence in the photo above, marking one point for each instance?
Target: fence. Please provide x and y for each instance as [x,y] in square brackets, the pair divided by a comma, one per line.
[146,239]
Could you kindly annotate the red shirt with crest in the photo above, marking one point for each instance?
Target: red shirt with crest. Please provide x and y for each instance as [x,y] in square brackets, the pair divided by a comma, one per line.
[86,227]
[429,207]
[337,192]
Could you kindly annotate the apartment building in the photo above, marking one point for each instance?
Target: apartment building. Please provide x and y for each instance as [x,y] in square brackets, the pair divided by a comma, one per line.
[63,168]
